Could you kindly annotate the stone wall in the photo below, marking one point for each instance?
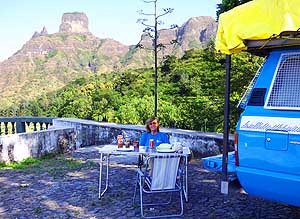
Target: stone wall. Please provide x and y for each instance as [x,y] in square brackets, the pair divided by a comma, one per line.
[68,134]
[93,133]
[16,147]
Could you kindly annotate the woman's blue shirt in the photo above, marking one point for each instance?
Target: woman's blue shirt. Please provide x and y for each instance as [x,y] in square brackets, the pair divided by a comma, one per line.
[159,137]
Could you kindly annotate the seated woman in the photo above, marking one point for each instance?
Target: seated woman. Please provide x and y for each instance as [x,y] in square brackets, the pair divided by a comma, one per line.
[152,132]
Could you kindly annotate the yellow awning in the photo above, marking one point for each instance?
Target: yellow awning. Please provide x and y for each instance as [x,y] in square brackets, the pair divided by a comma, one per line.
[256,20]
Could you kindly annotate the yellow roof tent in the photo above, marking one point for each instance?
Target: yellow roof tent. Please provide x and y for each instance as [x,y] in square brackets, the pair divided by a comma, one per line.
[258,20]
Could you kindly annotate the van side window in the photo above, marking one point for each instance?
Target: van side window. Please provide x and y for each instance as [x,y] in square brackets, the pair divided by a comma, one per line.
[285,87]
[244,100]
[257,97]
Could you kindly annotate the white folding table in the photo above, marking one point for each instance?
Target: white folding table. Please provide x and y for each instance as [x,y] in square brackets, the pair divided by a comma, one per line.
[107,150]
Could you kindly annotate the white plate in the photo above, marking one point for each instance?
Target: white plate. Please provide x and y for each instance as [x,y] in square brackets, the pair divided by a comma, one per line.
[165,150]
[165,146]
[125,149]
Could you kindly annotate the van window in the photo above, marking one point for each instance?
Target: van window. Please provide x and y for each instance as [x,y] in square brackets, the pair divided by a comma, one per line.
[244,101]
[285,88]
[257,97]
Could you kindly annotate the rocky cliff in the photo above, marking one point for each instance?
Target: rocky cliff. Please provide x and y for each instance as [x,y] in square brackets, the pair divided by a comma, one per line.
[47,62]
[75,22]
[196,32]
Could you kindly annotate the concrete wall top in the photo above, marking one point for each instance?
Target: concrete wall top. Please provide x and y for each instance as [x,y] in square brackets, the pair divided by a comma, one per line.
[142,128]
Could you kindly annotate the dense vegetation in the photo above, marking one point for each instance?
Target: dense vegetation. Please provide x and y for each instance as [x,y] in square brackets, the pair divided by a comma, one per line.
[227,5]
[191,93]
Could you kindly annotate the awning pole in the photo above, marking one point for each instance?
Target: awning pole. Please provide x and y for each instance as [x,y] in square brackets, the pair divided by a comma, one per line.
[224,183]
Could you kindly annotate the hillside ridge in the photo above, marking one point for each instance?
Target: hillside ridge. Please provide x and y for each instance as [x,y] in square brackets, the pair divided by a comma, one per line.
[48,62]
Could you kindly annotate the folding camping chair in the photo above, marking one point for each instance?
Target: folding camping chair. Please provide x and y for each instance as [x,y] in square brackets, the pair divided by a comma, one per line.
[162,174]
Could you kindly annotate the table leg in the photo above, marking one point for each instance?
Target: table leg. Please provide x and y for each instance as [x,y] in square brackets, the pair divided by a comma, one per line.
[100,194]
[185,183]
[107,170]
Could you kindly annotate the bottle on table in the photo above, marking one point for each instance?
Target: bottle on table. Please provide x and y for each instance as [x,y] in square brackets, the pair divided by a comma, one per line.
[151,144]
[136,145]
[120,141]
[127,142]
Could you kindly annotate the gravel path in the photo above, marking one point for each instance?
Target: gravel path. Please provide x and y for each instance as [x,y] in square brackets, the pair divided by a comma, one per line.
[66,187]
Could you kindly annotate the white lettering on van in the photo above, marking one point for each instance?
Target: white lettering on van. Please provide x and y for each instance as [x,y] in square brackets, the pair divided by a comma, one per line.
[261,123]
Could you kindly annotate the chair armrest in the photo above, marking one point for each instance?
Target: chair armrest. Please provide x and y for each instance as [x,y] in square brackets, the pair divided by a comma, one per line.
[140,173]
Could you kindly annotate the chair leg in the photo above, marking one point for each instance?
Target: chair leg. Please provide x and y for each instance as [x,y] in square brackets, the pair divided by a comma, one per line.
[181,202]
[141,199]
[162,216]
[135,188]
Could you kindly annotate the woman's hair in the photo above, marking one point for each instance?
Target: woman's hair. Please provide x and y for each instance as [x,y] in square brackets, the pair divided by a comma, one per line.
[151,119]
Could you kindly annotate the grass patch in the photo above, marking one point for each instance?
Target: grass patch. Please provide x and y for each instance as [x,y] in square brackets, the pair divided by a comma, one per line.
[20,165]
[56,166]
[28,162]
[47,160]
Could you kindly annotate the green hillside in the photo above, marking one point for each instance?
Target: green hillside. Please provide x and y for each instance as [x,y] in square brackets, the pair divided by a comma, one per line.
[191,93]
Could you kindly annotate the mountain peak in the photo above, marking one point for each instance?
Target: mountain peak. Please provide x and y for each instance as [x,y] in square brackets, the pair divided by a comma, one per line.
[197,31]
[44,32]
[75,22]
[49,61]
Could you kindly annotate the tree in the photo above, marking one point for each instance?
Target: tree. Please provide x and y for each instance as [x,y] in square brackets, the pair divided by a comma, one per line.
[227,5]
[150,29]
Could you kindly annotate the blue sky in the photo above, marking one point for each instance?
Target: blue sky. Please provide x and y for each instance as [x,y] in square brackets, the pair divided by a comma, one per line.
[116,19]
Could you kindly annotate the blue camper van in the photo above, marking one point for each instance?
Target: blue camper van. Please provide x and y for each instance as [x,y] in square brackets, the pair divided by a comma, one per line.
[268,132]
[267,138]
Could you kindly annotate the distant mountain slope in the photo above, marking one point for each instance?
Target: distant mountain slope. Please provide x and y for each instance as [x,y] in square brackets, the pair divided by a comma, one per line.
[48,62]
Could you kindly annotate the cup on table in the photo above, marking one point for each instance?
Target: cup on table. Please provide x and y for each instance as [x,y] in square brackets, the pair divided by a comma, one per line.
[120,141]
[136,145]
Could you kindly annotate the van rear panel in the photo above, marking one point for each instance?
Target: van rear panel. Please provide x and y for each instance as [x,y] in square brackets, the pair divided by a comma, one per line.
[271,185]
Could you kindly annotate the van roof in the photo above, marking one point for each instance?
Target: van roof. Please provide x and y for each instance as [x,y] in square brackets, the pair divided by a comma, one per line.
[283,40]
